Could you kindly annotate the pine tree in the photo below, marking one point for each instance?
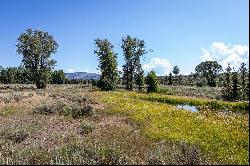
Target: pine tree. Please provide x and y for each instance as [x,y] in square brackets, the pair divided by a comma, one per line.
[166,79]
[247,91]
[243,74]
[235,95]
[170,80]
[227,90]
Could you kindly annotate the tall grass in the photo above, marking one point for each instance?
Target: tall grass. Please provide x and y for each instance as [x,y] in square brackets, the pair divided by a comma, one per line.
[216,104]
[224,138]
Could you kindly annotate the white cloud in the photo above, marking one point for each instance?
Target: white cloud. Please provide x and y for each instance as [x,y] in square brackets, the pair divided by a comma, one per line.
[70,70]
[226,53]
[85,70]
[160,66]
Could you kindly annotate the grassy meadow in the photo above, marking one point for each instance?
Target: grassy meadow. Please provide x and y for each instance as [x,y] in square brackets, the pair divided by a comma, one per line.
[76,124]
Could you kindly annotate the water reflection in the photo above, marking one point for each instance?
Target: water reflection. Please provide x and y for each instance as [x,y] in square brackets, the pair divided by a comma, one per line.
[187,107]
[222,110]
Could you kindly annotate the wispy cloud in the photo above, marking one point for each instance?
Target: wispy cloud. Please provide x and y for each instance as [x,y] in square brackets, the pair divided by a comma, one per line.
[160,66]
[70,70]
[226,53]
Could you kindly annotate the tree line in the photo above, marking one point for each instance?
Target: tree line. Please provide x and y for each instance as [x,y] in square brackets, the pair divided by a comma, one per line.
[22,75]
[36,48]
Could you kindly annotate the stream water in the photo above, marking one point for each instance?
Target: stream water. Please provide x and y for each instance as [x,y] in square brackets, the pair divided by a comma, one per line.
[196,109]
[187,107]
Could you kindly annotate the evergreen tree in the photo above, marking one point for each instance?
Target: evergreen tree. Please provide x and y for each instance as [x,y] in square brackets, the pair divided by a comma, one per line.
[247,90]
[166,79]
[243,75]
[235,94]
[170,79]
[226,91]
[176,71]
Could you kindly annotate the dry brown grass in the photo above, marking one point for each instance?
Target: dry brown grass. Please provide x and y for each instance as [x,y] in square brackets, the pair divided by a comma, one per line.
[56,139]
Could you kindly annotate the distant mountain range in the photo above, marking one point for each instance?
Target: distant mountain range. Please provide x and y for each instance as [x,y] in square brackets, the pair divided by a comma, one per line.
[82,76]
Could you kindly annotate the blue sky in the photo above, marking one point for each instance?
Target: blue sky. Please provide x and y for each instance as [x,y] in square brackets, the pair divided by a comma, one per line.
[180,32]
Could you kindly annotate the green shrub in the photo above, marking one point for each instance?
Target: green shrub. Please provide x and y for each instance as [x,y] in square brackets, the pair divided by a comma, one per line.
[6,99]
[109,155]
[75,153]
[106,85]
[80,99]
[165,91]
[15,135]
[68,109]
[151,81]
[17,97]
[176,153]
[78,111]
[31,155]
[44,108]
[86,128]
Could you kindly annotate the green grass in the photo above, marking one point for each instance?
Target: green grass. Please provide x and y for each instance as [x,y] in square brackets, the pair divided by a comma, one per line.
[202,92]
[127,128]
[223,137]
[196,101]
[8,111]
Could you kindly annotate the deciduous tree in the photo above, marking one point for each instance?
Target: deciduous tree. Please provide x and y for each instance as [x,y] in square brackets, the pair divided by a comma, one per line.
[36,48]
[133,50]
[209,70]
[107,64]
[152,82]
[140,79]
[57,77]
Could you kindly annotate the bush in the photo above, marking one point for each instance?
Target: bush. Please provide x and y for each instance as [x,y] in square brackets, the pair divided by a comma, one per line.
[31,155]
[179,153]
[75,153]
[106,85]
[44,108]
[14,135]
[165,91]
[68,109]
[94,82]
[108,155]
[17,97]
[78,111]
[86,128]
[61,108]
[151,81]
[5,99]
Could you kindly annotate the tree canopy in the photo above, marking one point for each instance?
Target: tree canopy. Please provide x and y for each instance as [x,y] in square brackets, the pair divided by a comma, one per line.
[209,70]
[36,48]
[107,64]
[176,70]
[133,50]
[152,82]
